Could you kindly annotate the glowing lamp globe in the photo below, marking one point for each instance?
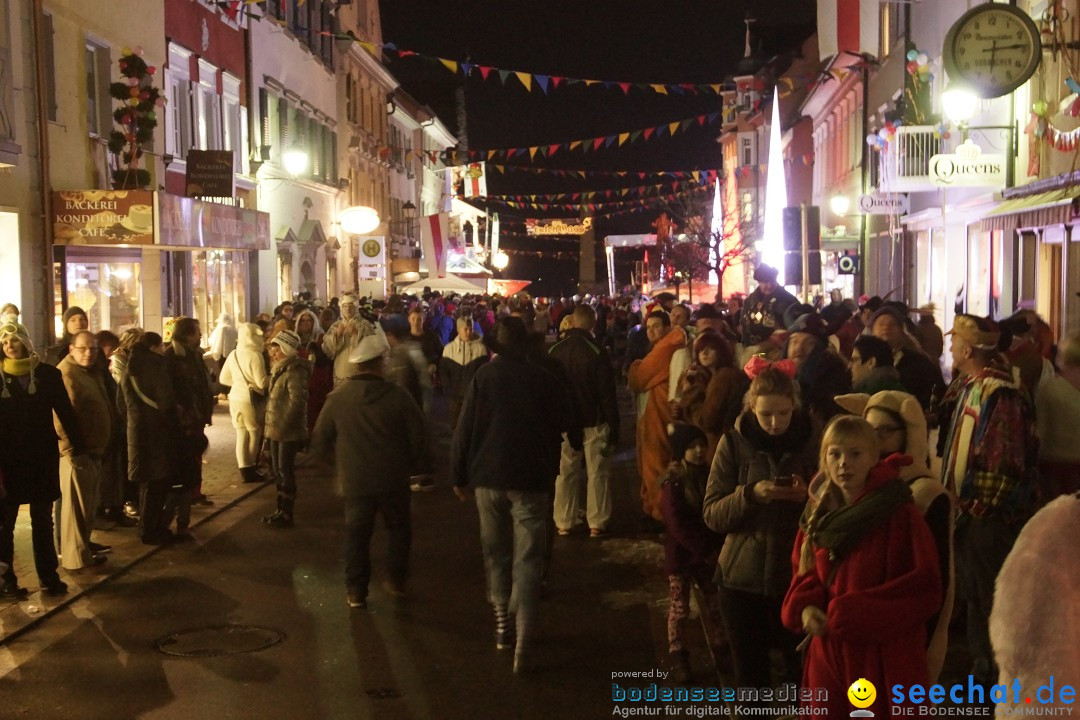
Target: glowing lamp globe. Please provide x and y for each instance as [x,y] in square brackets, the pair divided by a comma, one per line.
[294,161]
[359,219]
[500,260]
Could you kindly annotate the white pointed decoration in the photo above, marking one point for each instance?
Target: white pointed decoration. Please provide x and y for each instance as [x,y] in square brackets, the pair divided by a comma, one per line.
[771,244]
[717,230]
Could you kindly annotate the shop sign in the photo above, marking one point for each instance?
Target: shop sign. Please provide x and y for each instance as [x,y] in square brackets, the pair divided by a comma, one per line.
[189,223]
[369,250]
[967,167]
[534,226]
[103,217]
[884,204]
[210,174]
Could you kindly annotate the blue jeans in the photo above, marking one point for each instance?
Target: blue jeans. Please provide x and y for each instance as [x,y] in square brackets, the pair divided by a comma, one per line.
[512,530]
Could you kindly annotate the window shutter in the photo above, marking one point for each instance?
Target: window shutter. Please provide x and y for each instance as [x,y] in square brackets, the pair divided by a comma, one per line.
[264,114]
[283,125]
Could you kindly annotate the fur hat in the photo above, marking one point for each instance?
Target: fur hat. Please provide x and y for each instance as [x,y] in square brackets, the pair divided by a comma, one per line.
[978,332]
[509,337]
[681,436]
[287,340]
[765,273]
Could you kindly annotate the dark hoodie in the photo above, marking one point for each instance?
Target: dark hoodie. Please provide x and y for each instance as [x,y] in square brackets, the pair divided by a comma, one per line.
[55,353]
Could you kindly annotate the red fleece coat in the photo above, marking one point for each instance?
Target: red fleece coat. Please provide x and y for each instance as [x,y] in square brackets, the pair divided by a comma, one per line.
[877,606]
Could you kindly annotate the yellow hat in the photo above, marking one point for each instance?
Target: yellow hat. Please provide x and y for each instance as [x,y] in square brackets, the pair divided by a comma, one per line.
[978,332]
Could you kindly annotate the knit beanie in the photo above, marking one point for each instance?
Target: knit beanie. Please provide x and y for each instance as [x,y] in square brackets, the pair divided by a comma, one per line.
[19,331]
[681,436]
[71,312]
[287,340]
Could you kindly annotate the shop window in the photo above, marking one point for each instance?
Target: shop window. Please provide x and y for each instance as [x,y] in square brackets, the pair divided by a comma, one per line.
[108,291]
[218,285]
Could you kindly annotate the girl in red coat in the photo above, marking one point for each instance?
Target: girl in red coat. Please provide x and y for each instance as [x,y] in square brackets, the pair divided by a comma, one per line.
[866,573]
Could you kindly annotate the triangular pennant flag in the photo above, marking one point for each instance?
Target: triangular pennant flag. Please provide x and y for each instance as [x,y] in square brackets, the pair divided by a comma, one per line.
[625,191]
[696,175]
[641,175]
[581,173]
[717,88]
[648,132]
[466,68]
[623,137]
[532,152]
[597,142]
[686,123]
[590,83]
[370,47]
[635,135]
[556,80]
[552,149]
[491,154]
[504,75]
[543,81]
[609,141]
[701,120]
[711,117]
[660,89]
[525,78]
[574,145]
[450,64]
[625,87]
[672,127]
[484,71]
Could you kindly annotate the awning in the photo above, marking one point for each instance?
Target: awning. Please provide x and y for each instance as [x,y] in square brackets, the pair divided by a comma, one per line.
[1039,210]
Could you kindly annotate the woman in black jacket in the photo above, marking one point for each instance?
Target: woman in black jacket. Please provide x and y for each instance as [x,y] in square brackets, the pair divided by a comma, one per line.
[31,392]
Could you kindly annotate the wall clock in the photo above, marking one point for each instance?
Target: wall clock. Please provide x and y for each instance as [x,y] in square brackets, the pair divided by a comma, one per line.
[993,48]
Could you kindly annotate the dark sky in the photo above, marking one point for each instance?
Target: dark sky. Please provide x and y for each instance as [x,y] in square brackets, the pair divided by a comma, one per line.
[659,41]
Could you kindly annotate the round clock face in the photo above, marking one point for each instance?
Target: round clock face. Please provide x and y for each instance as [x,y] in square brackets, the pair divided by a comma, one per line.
[994,48]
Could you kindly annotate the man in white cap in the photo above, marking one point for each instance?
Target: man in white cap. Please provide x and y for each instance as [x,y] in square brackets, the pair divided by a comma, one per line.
[344,335]
[374,430]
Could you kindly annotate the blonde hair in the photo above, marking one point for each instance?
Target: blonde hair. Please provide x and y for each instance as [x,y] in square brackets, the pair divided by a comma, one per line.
[844,429]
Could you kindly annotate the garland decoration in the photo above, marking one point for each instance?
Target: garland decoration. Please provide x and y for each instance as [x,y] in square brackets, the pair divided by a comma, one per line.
[136,117]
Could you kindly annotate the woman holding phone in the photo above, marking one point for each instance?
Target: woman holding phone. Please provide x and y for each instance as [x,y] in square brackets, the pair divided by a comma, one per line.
[755,494]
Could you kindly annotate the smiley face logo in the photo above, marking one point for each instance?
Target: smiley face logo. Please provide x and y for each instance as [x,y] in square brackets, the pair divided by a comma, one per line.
[862,693]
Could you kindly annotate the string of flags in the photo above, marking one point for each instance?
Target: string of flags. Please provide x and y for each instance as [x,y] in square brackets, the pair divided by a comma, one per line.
[602,142]
[611,209]
[639,174]
[659,188]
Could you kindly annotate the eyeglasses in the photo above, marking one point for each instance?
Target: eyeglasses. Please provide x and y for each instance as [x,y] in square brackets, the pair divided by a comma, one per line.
[885,430]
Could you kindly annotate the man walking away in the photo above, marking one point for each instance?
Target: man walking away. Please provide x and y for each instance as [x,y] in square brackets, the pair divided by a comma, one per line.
[512,479]
[375,432]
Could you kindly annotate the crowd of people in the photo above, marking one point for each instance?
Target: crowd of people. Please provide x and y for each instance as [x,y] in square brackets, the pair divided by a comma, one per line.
[809,468]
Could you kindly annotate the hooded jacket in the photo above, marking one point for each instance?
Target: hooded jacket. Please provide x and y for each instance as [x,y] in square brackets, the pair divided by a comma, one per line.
[375,433]
[756,554]
[877,600]
[933,501]
[244,371]
[459,363]
[286,411]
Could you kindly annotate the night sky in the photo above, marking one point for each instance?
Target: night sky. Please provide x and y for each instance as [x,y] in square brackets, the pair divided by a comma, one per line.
[674,41]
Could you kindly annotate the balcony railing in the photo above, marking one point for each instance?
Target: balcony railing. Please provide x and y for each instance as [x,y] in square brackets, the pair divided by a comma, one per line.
[905,162]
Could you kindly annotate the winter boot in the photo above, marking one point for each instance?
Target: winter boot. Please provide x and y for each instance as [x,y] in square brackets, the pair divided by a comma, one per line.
[251,475]
[282,517]
[504,628]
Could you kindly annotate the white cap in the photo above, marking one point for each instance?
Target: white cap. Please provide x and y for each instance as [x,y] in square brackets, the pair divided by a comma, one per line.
[369,348]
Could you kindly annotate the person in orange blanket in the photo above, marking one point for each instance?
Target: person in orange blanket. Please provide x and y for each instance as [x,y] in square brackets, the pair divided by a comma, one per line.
[650,376]
[866,575]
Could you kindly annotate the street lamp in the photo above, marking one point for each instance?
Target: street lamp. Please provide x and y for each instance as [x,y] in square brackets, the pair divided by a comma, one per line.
[840,204]
[359,219]
[294,161]
[959,102]
[500,261]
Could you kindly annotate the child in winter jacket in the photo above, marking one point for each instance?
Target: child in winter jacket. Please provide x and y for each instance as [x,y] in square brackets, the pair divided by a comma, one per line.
[690,548]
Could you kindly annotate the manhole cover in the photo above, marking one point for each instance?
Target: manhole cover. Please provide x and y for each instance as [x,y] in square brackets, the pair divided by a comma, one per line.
[382,693]
[219,640]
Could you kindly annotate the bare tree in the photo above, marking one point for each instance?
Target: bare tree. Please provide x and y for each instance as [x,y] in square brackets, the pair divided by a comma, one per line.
[718,251]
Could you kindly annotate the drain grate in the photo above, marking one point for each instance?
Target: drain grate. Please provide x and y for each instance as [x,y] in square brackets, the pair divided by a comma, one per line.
[382,693]
[219,640]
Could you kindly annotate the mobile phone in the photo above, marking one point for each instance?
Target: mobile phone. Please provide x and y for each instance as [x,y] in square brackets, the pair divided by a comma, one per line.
[783,481]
